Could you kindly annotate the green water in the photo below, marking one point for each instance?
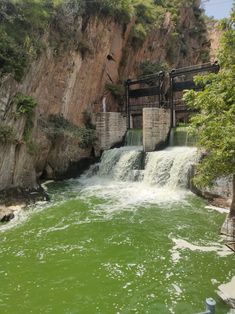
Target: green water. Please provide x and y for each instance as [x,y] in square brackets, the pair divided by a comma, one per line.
[180,136]
[134,137]
[96,249]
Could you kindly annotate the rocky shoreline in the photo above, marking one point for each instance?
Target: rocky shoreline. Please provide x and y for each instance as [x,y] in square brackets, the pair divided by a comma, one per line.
[13,200]
[7,213]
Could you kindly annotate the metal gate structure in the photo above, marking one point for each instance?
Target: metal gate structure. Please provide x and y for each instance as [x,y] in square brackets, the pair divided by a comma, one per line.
[144,92]
[183,79]
[163,90]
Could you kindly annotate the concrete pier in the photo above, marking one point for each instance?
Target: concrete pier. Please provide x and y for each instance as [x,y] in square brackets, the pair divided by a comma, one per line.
[110,129]
[156,127]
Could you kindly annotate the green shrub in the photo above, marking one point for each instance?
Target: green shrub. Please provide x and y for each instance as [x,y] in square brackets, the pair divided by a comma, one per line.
[33,148]
[25,106]
[121,10]
[117,90]
[145,13]
[7,134]
[148,67]
[87,138]
[23,22]
[13,59]
[205,55]
[57,126]
[138,34]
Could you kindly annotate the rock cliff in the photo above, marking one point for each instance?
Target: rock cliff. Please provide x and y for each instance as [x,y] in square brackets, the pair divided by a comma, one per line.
[69,80]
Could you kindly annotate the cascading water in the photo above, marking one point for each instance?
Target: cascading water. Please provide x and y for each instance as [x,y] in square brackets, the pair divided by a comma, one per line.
[134,137]
[181,136]
[168,168]
[120,163]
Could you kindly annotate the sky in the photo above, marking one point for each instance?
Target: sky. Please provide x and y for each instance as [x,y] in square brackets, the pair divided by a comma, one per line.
[218,8]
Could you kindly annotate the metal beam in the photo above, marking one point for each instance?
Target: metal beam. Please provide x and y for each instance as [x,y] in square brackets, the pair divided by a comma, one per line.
[208,67]
[143,92]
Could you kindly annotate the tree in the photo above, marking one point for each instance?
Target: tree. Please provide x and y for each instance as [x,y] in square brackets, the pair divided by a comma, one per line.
[215,122]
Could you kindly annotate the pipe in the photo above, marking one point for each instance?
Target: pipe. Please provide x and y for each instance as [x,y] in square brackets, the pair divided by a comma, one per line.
[210,306]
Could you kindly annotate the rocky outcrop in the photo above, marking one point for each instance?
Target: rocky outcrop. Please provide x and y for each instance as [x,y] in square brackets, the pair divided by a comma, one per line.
[69,81]
[7,213]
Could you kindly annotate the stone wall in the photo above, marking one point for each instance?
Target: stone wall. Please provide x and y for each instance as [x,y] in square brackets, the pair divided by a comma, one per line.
[110,129]
[156,127]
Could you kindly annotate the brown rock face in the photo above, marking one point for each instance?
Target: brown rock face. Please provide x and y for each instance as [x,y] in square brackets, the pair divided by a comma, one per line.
[215,35]
[68,82]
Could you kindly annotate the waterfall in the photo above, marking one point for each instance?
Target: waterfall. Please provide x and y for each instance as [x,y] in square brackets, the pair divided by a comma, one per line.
[121,163]
[168,168]
[134,137]
[181,136]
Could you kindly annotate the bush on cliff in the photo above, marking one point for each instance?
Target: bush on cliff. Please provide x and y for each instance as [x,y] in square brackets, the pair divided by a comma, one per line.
[25,106]
[57,126]
[117,91]
[7,134]
[22,24]
[148,67]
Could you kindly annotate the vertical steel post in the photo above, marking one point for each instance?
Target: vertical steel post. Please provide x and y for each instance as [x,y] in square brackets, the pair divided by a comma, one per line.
[172,101]
[127,103]
[159,91]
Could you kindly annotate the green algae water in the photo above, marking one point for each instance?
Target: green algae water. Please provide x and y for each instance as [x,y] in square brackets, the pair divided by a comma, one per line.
[181,136]
[106,245]
[134,137]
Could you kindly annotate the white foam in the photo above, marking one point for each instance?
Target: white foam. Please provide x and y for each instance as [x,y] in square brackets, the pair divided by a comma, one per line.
[177,289]
[181,244]
[44,184]
[128,196]
[23,214]
[218,209]
[214,281]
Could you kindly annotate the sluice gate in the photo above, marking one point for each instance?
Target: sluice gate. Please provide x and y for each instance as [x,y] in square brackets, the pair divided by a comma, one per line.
[163,90]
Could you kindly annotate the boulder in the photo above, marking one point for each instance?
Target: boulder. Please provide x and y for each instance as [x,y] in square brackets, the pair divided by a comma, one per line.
[6,214]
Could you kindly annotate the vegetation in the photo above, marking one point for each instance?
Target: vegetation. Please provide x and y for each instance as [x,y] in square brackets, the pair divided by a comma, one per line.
[121,10]
[25,106]
[117,90]
[57,126]
[215,124]
[33,147]
[7,134]
[23,23]
[87,120]
[148,67]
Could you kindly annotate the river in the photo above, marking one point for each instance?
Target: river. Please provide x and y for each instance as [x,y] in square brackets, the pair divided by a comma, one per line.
[127,238]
